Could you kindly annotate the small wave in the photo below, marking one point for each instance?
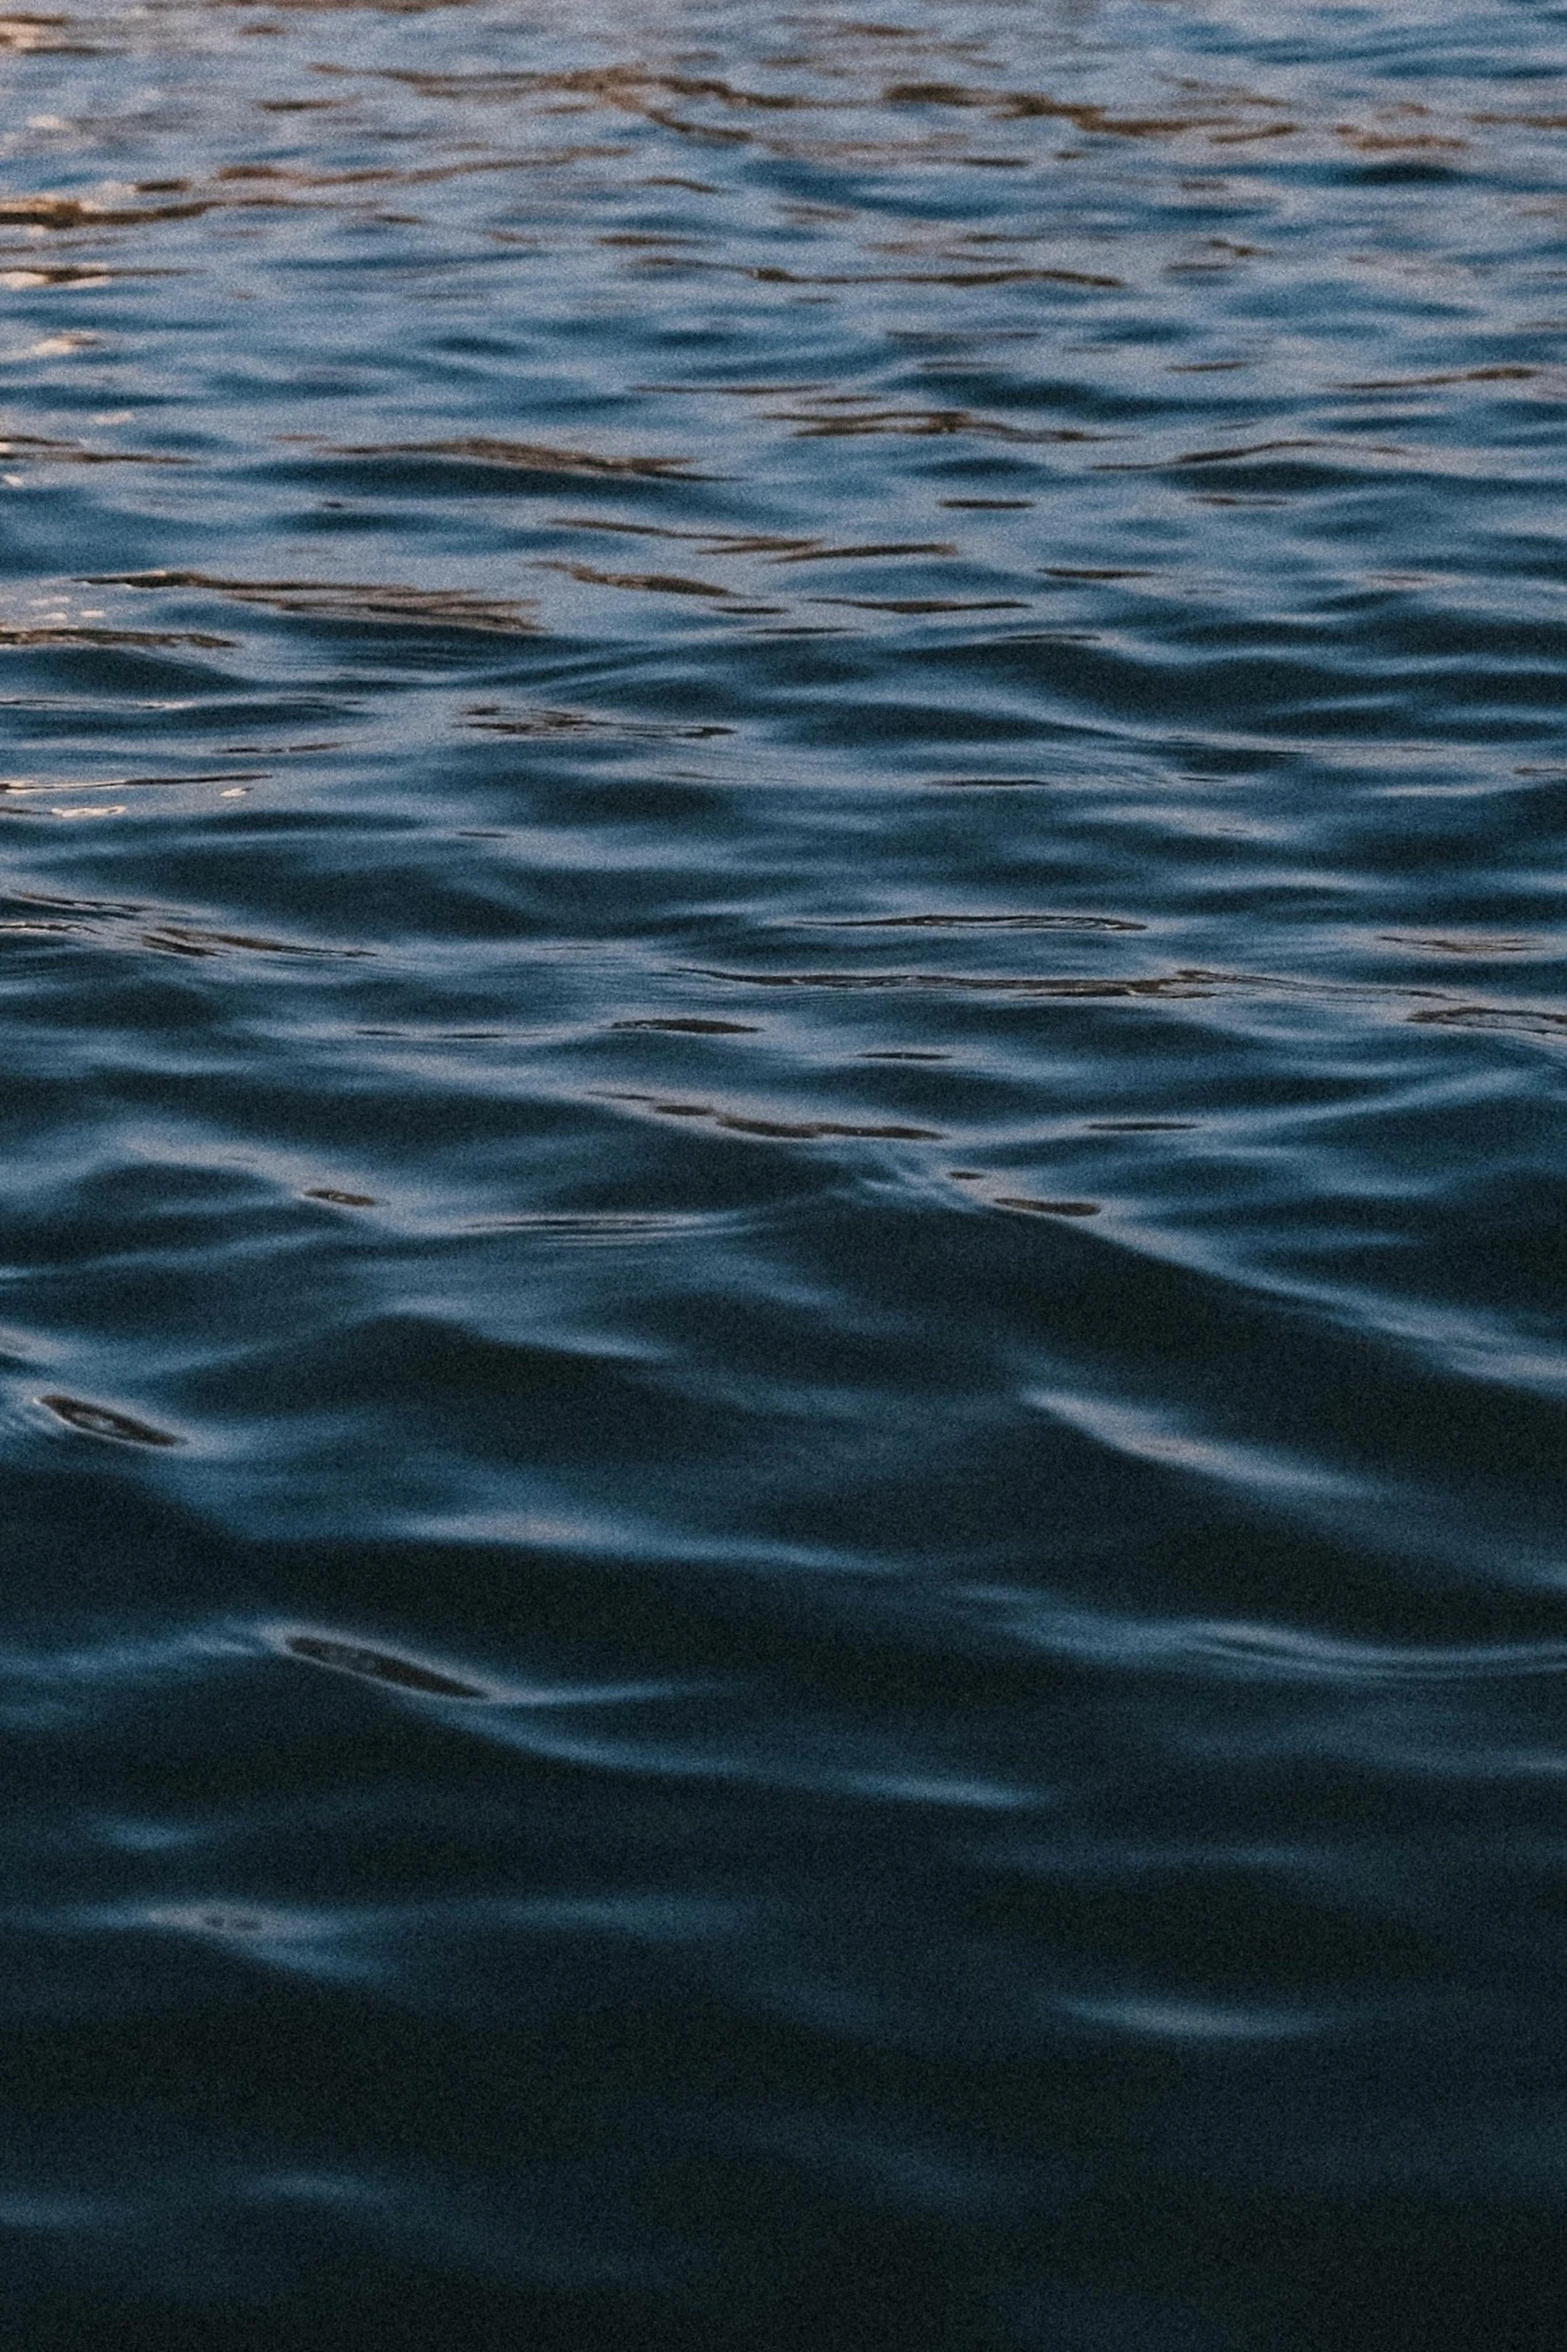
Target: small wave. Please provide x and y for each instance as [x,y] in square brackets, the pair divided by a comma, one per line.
[95,1420]
[1173,984]
[967,922]
[545,724]
[342,600]
[374,1665]
[780,1130]
[693,1027]
[527,457]
[1506,1020]
[1045,1208]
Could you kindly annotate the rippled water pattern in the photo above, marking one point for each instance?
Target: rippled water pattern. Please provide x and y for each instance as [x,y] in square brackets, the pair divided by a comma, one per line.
[783,1022]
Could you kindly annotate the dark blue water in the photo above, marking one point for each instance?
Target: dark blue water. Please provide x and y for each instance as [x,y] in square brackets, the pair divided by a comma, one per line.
[782,1027]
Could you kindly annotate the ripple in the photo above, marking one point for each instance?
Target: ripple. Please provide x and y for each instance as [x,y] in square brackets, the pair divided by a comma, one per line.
[781,1130]
[1509,1020]
[1046,1208]
[1141,2017]
[102,1421]
[379,1666]
[693,1027]
[960,922]
[526,457]
[327,600]
[502,719]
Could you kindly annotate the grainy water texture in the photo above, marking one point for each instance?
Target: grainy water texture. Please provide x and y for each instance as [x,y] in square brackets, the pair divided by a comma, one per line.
[782,1013]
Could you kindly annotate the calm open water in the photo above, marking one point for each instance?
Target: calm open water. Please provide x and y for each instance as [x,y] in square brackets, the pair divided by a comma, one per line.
[782,1014]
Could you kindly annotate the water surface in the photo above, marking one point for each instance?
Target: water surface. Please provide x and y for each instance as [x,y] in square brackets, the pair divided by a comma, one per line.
[782,1008]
